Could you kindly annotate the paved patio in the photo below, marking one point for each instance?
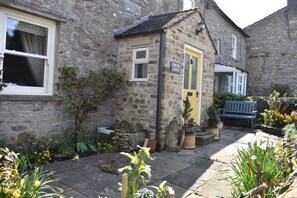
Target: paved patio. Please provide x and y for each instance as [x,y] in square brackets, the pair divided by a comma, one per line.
[194,173]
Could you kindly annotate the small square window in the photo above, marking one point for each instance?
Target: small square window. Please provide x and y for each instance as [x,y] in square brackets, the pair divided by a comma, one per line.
[140,64]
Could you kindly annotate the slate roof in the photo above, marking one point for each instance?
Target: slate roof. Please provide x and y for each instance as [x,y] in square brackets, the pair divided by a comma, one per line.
[153,24]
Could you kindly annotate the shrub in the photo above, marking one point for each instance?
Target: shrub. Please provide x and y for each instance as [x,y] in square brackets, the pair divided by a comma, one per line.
[255,166]
[282,89]
[188,122]
[213,116]
[23,186]
[220,97]
[275,119]
[83,94]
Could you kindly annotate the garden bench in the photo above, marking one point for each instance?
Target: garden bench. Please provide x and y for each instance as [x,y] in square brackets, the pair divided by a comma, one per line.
[240,110]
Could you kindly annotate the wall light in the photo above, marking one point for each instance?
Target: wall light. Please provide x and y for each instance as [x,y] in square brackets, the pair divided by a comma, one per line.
[200,27]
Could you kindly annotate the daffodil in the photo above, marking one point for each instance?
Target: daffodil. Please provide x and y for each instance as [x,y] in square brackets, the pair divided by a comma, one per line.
[37,183]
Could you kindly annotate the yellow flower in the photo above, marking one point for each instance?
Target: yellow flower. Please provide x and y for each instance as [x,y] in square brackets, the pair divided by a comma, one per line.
[37,184]
[16,194]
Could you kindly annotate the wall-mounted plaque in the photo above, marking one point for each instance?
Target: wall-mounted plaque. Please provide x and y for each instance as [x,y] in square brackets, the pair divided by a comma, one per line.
[175,67]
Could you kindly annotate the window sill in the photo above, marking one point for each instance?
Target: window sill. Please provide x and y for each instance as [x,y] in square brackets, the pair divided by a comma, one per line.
[139,80]
[28,98]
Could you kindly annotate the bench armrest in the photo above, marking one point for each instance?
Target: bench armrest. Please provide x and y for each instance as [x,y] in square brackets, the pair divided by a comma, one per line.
[254,112]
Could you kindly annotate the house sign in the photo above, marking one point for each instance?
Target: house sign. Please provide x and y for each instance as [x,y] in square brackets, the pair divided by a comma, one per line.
[175,67]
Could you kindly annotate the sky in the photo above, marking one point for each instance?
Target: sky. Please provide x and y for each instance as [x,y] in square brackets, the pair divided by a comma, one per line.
[246,12]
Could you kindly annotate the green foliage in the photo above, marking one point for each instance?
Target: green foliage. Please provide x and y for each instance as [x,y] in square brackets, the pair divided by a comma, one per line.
[23,186]
[140,173]
[188,121]
[83,94]
[254,166]
[110,166]
[275,116]
[213,116]
[219,98]
[282,89]
[290,132]
[286,155]
[103,147]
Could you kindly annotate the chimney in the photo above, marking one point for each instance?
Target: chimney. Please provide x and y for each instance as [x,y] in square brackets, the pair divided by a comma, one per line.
[292,18]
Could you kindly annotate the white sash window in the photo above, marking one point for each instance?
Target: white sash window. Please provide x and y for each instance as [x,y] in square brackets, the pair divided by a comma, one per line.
[27,51]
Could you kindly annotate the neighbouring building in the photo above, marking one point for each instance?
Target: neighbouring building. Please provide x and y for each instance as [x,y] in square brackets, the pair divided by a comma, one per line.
[230,40]
[271,51]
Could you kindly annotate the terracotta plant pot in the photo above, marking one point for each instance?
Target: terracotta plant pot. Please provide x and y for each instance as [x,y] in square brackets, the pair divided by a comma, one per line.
[190,141]
[152,144]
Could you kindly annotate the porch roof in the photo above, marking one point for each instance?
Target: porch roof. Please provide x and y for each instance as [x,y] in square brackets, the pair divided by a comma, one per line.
[226,68]
[153,24]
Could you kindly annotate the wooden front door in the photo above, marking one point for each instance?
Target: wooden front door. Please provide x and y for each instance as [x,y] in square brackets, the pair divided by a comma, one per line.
[191,85]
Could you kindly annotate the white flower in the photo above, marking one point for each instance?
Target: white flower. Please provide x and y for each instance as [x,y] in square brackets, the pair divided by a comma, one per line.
[253,157]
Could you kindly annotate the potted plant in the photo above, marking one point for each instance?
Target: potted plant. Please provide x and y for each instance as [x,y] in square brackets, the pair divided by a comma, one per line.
[188,125]
[214,122]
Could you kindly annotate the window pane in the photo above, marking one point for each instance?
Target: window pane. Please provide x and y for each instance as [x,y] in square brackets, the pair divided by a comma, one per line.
[25,37]
[194,74]
[186,72]
[23,71]
[140,70]
[141,54]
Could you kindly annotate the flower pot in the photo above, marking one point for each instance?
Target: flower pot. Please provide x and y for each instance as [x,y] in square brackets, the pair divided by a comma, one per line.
[216,131]
[190,141]
[152,144]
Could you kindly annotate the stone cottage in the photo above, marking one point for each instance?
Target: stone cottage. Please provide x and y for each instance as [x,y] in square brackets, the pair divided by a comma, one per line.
[167,60]
[75,33]
[271,51]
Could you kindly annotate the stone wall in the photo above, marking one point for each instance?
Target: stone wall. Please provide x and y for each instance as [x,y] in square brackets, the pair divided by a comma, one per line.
[221,28]
[271,52]
[140,102]
[85,39]
[176,38]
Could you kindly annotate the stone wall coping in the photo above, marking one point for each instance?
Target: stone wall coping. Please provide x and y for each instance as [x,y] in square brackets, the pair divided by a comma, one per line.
[29,98]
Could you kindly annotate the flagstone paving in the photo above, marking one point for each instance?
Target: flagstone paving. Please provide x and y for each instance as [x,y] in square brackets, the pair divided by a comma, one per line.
[197,173]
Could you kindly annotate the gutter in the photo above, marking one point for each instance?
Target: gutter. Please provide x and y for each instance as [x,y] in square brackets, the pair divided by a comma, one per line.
[159,90]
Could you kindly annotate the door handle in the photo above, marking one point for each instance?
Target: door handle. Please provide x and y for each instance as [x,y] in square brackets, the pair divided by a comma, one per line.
[197,94]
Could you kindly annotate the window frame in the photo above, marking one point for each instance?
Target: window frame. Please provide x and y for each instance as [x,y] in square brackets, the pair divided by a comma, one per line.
[219,46]
[140,61]
[48,83]
[234,46]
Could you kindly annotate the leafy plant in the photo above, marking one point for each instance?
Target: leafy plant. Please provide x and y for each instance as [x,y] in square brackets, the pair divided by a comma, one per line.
[255,166]
[275,119]
[188,121]
[275,102]
[213,116]
[83,94]
[282,89]
[140,173]
[290,132]
[12,184]
[103,147]
[110,166]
